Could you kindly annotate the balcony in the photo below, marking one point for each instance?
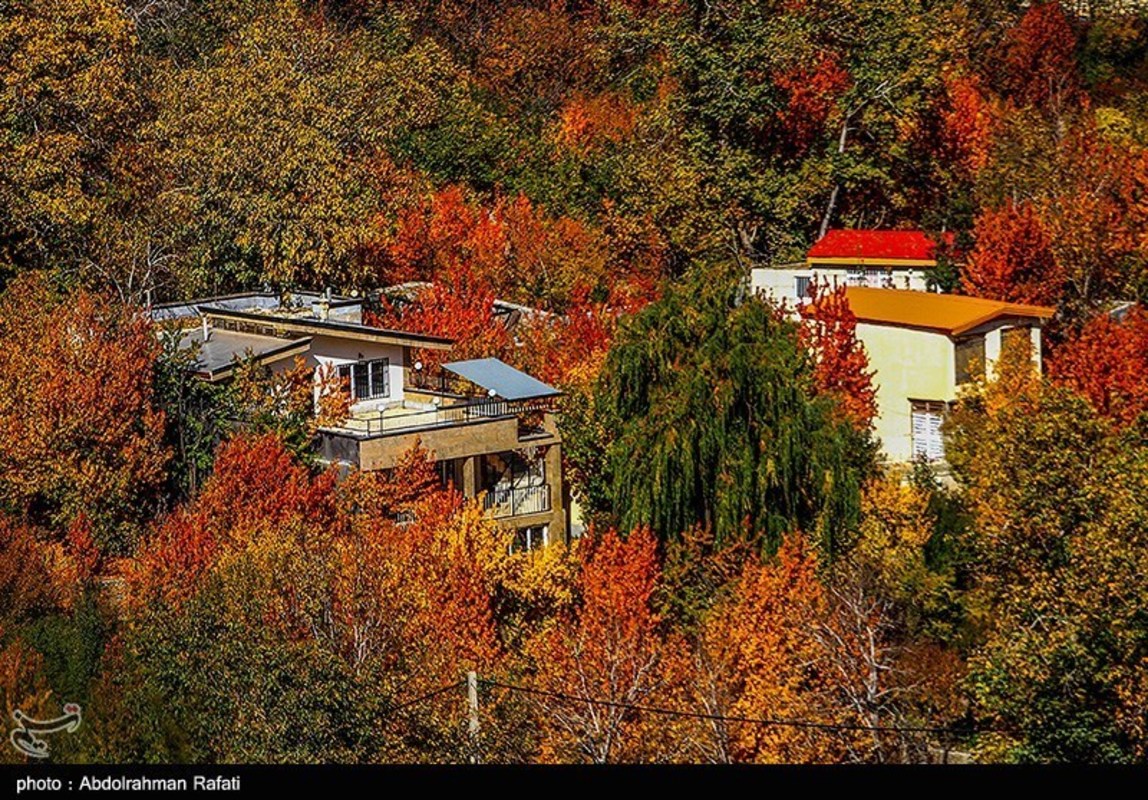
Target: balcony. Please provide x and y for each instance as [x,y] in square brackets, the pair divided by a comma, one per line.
[518,501]
[408,417]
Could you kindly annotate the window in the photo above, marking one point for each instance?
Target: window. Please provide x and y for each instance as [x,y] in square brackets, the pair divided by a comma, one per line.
[511,470]
[879,277]
[927,418]
[368,379]
[970,355]
[801,285]
[528,539]
[855,276]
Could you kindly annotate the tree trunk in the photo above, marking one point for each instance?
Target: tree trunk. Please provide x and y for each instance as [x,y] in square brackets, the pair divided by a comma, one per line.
[841,142]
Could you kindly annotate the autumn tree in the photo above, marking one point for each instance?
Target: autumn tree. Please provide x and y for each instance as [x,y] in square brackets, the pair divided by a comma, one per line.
[279,586]
[609,649]
[81,432]
[293,200]
[70,100]
[1013,258]
[1106,363]
[461,311]
[1056,498]
[1038,60]
[829,329]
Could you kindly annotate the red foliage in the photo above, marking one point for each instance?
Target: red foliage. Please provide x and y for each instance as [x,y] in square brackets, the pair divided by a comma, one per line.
[1107,362]
[829,330]
[1039,64]
[256,483]
[513,249]
[967,125]
[813,90]
[1012,259]
[462,311]
[561,349]
[80,432]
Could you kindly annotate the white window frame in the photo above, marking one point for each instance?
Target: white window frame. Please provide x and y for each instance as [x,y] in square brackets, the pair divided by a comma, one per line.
[929,443]
[533,541]
[373,367]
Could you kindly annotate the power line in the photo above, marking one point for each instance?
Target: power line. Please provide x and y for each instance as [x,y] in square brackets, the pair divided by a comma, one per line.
[790,723]
[427,696]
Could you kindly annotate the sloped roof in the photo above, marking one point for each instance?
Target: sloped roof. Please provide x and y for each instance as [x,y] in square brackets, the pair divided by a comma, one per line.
[502,379]
[876,245]
[216,356]
[949,313]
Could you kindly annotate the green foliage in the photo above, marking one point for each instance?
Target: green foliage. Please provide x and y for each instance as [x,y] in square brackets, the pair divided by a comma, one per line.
[711,419]
[71,645]
[1061,537]
[197,414]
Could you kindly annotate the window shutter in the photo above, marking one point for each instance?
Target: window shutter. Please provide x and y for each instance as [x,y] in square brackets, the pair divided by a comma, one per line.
[928,443]
[920,432]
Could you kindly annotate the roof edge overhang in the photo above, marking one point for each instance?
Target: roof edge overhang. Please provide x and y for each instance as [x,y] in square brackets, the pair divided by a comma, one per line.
[294,347]
[334,329]
[1038,313]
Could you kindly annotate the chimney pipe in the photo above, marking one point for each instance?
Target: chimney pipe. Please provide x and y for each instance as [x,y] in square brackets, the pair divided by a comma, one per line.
[206,327]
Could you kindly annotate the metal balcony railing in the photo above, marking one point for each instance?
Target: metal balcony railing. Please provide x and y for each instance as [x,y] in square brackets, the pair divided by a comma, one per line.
[515,502]
[393,420]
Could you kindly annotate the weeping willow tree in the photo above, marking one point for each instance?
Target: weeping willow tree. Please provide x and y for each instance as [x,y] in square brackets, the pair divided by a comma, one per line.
[712,419]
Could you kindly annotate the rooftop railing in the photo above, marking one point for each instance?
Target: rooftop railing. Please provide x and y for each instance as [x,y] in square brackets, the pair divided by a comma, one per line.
[391,420]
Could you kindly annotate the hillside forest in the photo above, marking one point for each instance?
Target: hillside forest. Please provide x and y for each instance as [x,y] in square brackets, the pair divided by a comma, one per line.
[754,584]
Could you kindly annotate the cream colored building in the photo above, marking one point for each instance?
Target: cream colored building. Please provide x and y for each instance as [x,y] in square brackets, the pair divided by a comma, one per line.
[922,347]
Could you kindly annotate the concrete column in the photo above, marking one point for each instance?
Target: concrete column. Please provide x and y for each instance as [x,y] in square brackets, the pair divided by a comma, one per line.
[992,351]
[470,481]
[559,496]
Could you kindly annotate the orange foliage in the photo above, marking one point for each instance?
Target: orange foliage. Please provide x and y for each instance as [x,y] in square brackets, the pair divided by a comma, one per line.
[32,582]
[386,493]
[829,330]
[967,124]
[1107,362]
[79,429]
[610,649]
[462,311]
[512,249]
[768,661]
[421,587]
[1012,259]
[588,123]
[256,485]
[534,55]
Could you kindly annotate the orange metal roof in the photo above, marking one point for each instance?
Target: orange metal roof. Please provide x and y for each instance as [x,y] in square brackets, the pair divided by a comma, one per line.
[951,313]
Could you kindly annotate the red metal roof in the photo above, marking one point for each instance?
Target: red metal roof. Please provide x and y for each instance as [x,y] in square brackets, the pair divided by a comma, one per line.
[869,244]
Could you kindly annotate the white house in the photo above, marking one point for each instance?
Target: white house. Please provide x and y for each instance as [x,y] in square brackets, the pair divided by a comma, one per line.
[879,259]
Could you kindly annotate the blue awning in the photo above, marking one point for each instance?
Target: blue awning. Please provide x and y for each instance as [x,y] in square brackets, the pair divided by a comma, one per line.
[502,379]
